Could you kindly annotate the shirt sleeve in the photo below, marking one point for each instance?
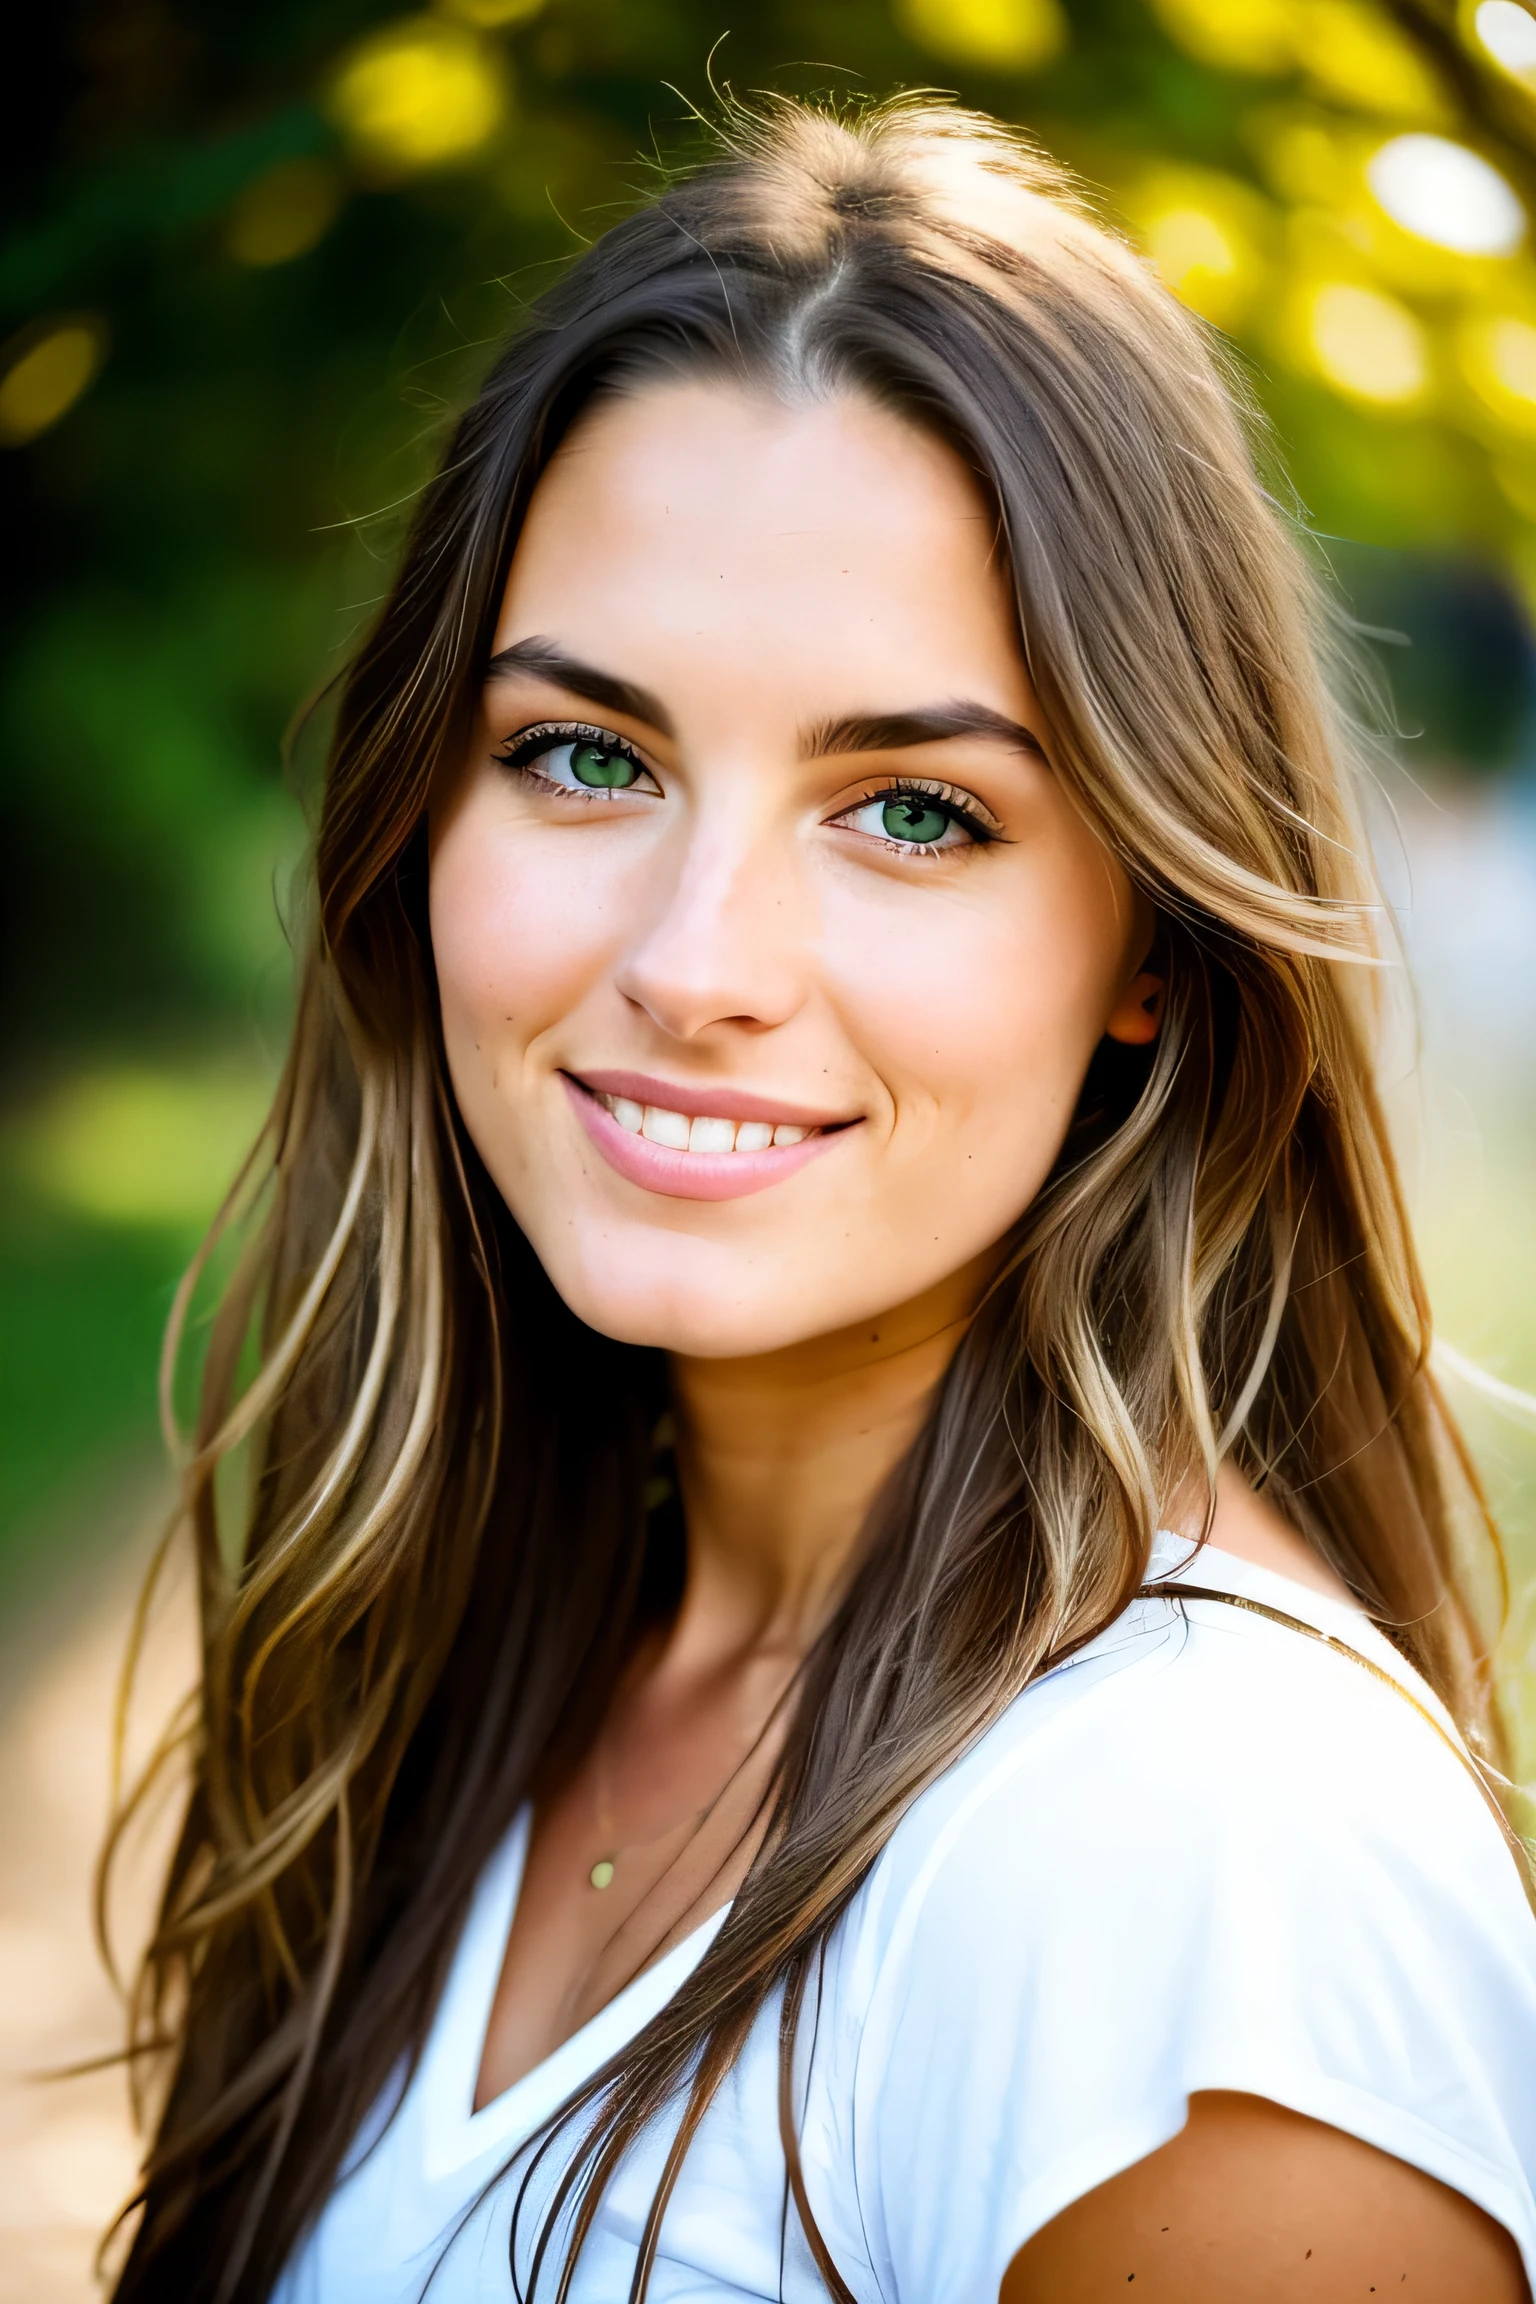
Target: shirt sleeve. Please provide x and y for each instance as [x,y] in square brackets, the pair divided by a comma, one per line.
[1256,1870]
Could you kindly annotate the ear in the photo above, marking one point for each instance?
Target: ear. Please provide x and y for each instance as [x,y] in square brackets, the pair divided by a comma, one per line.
[1137,1015]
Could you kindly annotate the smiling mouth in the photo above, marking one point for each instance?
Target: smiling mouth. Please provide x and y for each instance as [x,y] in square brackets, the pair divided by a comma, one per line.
[663,1136]
[699,1132]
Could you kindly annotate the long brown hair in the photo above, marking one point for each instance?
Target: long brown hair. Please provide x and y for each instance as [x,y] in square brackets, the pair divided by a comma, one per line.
[440,1554]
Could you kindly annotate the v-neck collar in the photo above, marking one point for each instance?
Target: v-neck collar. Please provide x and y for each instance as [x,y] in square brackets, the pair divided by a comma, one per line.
[453,2133]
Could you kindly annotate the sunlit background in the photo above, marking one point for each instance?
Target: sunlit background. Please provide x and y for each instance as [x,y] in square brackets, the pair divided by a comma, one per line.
[256,253]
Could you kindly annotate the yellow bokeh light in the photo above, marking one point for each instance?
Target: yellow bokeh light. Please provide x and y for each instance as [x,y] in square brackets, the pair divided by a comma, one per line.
[1513,349]
[1208,235]
[1508,34]
[1305,158]
[47,375]
[1498,359]
[1349,49]
[1237,35]
[492,15]
[419,94]
[1447,194]
[1367,345]
[1353,54]
[284,213]
[1338,228]
[1194,255]
[1003,35]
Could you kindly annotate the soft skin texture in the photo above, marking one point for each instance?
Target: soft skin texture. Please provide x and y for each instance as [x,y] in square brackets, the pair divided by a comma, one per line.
[737,577]
[1252,2204]
[762,571]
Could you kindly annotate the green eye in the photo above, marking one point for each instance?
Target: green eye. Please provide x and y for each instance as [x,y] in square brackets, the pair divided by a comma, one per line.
[611,771]
[915,820]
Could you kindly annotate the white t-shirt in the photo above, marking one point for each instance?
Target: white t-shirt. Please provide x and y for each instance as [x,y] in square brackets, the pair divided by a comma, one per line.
[1205,1853]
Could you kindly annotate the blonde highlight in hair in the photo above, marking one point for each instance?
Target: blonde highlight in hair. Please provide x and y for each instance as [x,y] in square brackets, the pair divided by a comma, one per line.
[442,1563]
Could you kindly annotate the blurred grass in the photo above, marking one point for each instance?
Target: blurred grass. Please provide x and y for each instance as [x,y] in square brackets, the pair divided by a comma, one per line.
[110,1176]
[82,1308]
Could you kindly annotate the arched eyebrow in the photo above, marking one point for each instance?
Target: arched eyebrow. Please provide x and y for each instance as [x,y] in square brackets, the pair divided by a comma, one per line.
[546,660]
[933,724]
[853,732]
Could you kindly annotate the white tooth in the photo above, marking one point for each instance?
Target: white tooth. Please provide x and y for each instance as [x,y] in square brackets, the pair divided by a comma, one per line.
[785,1133]
[754,1136]
[663,1127]
[710,1135]
[627,1112]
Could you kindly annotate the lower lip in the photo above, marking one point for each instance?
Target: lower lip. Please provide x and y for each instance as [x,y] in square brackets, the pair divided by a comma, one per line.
[692,1175]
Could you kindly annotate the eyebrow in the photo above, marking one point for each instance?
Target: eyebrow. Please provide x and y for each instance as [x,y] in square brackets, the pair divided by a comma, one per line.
[547,661]
[853,732]
[934,724]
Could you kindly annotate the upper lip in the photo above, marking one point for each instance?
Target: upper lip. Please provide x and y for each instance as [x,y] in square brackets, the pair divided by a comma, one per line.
[700,1099]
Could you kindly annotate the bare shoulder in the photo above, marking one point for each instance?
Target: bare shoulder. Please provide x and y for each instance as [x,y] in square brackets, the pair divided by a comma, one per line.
[1252,2203]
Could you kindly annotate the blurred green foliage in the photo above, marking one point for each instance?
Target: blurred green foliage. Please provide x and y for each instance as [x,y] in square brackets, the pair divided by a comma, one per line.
[256,251]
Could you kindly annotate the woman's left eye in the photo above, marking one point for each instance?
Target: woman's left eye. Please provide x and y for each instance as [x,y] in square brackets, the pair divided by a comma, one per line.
[585,761]
[915,820]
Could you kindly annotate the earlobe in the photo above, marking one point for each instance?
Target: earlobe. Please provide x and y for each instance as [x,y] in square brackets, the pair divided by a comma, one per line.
[1137,1015]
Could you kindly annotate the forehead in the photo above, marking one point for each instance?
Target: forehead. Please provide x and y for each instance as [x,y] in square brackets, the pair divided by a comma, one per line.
[835,537]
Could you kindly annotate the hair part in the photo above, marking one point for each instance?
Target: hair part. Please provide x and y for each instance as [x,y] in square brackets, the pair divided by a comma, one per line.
[441,1568]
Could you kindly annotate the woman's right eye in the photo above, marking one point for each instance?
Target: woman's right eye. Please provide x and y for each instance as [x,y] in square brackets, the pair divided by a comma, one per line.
[588,762]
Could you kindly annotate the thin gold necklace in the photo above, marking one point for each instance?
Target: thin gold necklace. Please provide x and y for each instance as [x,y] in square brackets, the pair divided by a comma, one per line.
[601,1874]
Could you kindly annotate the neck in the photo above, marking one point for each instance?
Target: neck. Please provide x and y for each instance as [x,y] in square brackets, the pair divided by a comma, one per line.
[780,1458]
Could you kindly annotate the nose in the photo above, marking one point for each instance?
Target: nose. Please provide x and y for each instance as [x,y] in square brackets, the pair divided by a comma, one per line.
[725,937]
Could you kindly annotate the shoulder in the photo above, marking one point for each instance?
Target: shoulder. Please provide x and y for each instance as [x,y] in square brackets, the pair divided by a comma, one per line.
[1192,1743]
[1250,2198]
[1208,1855]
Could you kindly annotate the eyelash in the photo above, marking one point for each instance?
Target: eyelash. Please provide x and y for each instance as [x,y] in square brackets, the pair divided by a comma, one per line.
[520,752]
[957,805]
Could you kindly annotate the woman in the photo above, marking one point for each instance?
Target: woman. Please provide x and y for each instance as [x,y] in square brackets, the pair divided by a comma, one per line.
[829,1146]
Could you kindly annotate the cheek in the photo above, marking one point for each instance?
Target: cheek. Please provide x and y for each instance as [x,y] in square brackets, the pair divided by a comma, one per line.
[515,937]
[981,1017]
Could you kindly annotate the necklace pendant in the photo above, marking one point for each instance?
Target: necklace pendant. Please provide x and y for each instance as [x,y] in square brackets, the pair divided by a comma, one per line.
[601,1873]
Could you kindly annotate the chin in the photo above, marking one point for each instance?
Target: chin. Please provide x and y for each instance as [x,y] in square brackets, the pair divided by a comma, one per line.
[680,1297]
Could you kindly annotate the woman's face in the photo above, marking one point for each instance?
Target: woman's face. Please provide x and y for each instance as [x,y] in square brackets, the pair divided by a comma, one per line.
[772,955]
